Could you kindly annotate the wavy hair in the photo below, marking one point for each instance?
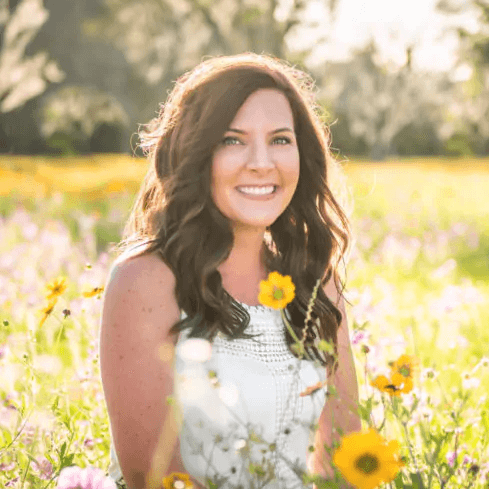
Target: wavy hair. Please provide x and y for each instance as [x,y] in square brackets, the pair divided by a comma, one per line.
[174,204]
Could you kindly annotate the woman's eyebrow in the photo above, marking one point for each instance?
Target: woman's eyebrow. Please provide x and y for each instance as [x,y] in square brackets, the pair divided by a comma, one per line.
[240,131]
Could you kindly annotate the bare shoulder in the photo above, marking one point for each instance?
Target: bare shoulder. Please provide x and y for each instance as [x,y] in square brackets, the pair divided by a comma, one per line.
[146,284]
[140,267]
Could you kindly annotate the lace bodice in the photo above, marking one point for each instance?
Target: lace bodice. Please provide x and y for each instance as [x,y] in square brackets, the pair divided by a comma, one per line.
[246,383]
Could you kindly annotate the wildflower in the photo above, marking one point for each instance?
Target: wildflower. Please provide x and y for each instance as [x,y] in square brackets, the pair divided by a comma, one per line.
[428,373]
[366,460]
[176,480]
[56,288]
[469,382]
[44,468]
[196,350]
[277,291]
[66,313]
[95,291]
[405,365]
[385,385]
[48,310]
[404,384]
[451,457]
[90,478]
[483,363]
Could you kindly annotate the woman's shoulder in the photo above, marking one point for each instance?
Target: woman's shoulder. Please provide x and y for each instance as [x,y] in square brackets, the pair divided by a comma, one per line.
[142,264]
[145,269]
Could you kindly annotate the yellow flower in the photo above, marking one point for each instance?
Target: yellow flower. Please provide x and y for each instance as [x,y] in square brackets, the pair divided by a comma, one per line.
[277,291]
[48,310]
[405,365]
[176,480]
[406,382]
[93,292]
[366,459]
[385,385]
[56,287]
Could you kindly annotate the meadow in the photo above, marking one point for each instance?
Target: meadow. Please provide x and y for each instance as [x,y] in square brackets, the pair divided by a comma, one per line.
[417,283]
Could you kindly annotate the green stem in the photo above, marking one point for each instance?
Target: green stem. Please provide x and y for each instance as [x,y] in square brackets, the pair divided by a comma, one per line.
[404,425]
[291,331]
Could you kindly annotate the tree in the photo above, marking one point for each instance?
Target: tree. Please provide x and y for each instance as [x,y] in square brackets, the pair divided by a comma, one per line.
[23,78]
[164,38]
[467,127]
[377,102]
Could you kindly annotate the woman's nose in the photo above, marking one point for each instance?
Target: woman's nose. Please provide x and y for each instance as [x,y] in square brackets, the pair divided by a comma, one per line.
[260,156]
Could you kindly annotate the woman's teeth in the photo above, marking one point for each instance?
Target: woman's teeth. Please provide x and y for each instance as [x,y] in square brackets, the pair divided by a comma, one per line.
[257,190]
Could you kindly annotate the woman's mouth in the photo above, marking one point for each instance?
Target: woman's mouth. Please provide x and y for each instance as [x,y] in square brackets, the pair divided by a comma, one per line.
[255,192]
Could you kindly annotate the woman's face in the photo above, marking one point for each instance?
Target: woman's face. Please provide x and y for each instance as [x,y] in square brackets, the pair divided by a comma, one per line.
[258,152]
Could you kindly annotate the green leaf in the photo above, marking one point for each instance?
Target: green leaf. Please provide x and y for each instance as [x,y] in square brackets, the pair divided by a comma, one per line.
[398,481]
[417,481]
[62,451]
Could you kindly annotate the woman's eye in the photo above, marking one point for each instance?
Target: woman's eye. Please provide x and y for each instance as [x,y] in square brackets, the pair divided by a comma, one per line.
[287,140]
[229,138]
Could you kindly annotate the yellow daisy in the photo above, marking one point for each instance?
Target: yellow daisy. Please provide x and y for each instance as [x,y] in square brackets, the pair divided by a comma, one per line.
[93,292]
[56,287]
[48,310]
[176,480]
[404,384]
[405,365]
[277,291]
[385,385]
[366,459]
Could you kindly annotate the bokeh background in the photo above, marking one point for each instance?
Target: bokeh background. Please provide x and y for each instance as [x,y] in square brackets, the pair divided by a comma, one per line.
[397,78]
[405,85]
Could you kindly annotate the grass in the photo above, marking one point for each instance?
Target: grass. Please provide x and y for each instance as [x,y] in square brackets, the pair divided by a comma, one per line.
[418,275]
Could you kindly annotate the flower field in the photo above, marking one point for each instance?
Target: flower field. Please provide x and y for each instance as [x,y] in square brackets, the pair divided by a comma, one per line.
[417,280]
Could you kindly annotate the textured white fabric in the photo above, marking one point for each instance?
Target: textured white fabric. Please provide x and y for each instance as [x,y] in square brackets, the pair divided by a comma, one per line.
[257,385]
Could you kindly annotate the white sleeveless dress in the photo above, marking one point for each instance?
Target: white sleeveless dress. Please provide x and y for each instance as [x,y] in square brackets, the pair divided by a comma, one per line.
[253,384]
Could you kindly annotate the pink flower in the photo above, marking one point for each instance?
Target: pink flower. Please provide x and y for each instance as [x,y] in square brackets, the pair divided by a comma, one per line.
[451,456]
[44,468]
[90,478]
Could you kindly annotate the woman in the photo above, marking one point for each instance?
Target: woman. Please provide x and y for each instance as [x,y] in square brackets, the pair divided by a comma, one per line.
[237,188]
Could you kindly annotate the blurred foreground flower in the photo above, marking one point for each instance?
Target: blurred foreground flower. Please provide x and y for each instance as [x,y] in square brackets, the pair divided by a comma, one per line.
[90,478]
[401,378]
[95,291]
[56,288]
[405,365]
[277,291]
[366,459]
[48,310]
[177,480]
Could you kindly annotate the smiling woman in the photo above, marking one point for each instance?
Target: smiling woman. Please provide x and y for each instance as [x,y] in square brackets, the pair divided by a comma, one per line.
[237,187]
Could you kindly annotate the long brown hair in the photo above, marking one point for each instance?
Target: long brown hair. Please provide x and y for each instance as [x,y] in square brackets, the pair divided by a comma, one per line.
[175,215]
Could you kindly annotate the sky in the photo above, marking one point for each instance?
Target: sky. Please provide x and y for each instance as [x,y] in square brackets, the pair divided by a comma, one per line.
[394,24]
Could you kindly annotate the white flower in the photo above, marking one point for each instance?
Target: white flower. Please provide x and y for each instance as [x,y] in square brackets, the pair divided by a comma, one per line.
[229,394]
[428,374]
[196,350]
[469,382]
[239,444]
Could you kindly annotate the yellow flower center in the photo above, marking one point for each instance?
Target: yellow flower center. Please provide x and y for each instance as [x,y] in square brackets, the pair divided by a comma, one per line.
[405,371]
[278,294]
[367,463]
